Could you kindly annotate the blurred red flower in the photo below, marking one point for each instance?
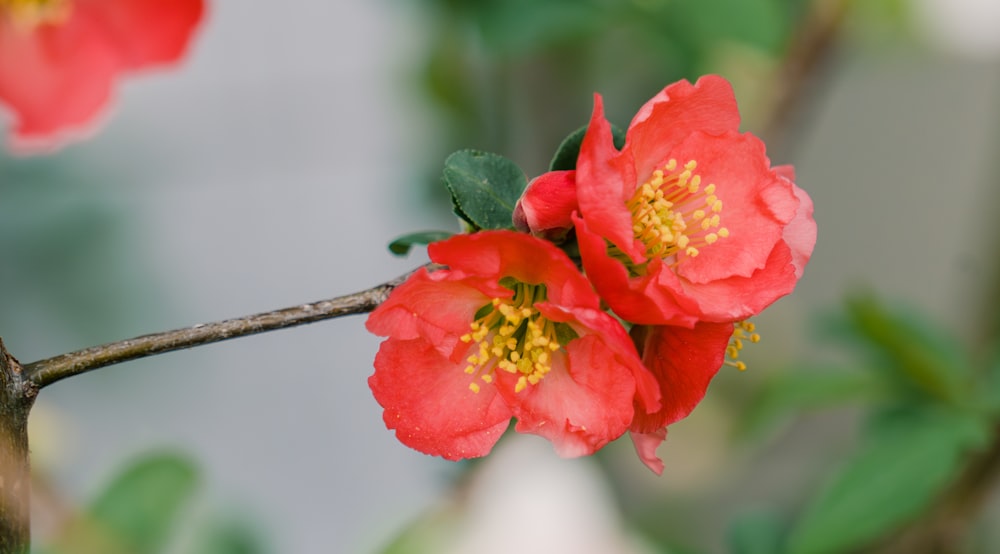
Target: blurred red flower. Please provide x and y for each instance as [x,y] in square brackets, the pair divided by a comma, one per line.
[60,58]
[510,329]
[688,222]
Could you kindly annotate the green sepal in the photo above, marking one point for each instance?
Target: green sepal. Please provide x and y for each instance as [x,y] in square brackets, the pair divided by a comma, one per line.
[401,245]
[484,188]
[569,148]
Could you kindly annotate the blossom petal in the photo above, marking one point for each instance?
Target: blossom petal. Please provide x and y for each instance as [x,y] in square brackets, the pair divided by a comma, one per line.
[678,110]
[433,306]
[800,233]
[616,340]
[584,403]
[756,203]
[428,403]
[684,361]
[646,445]
[56,77]
[547,204]
[146,32]
[610,183]
[496,254]
[736,298]
[642,299]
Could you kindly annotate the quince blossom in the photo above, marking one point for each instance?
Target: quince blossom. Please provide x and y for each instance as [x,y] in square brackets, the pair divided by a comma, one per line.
[688,222]
[510,329]
[60,58]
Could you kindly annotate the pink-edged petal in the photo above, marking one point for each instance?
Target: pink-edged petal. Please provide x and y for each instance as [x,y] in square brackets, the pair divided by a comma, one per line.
[428,403]
[646,445]
[800,234]
[547,204]
[684,362]
[584,403]
[669,117]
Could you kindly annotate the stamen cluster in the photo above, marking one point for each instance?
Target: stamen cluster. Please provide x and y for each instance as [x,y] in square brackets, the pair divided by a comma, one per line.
[672,213]
[514,337]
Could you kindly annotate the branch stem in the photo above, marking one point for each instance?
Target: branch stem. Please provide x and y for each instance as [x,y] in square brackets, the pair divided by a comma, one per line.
[45,372]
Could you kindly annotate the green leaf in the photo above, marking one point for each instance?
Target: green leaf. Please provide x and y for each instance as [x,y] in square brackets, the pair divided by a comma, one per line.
[913,351]
[756,533]
[229,536]
[401,246]
[906,461]
[142,503]
[484,188]
[569,148]
[790,392]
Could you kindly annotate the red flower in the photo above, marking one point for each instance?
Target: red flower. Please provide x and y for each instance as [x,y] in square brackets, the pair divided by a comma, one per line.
[510,329]
[59,58]
[684,362]
[688,222]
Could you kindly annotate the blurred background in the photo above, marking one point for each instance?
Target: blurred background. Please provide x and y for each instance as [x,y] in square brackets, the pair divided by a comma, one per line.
[298,138]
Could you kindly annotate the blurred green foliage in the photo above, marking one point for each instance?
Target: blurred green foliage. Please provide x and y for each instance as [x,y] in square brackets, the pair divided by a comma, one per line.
[924,416]
[139,512]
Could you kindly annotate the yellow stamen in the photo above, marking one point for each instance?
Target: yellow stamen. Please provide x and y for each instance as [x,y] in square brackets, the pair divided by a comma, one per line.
[673,215]
[743,330]
[514,337]
[28,14]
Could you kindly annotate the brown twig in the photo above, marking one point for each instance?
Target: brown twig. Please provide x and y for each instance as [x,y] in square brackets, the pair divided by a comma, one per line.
[45,372]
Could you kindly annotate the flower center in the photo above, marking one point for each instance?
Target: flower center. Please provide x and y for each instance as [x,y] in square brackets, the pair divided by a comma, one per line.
[672,212]
[512,335]
[743,330]
[28,14]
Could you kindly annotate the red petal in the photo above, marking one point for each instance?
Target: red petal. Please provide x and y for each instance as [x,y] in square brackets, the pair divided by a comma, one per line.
[434,307]
[756,204]
[640,299]
[428,402]
[584,403]
[548,203]
[680,109]
[684,362]
[146,32]
[497,254]
[604,182]
[57,77]
[738,298]
[800,234]
[645,446]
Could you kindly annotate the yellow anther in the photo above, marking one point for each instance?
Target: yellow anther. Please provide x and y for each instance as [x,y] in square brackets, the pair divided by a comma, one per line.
[673,213]
[522,383]
[474,388]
